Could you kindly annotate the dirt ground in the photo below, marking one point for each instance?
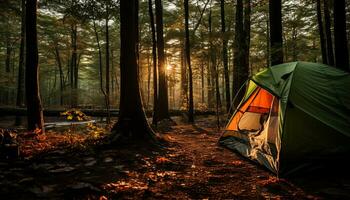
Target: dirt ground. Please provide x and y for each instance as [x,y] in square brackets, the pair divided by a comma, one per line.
[190,166]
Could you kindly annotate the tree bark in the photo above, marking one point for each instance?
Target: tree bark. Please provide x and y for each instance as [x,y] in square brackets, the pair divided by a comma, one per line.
[188,59]
[34,108]
[163,107]
[241,49]
[202,82]
[148,80]
[246,30]
[238,52]
[154,61]
[132,123]
[268,61]
[321,31]
[59,63]
[211,74]
[20,85]
[340,40]
[8,55]
[327,20]
[276,41]
[100,65]
[225,56]
[184,80]
[107,64]
[213,65]
[73,67]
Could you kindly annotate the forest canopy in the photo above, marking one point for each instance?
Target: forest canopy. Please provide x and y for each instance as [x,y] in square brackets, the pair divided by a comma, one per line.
[79,41]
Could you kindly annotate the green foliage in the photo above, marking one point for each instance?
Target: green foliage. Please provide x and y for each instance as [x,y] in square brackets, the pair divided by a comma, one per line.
[56,19]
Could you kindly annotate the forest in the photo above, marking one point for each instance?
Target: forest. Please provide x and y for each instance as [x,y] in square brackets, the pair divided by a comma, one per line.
[182,99]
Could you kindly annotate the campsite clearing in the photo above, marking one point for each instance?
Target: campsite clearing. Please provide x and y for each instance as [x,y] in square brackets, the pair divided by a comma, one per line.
[190,166]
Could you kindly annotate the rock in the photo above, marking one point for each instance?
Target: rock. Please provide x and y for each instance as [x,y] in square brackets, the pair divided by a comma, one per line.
[119,167]
[82,186]
[64,169]
[108,160]
[91,163]
[43,190]
[24,180]
[46,166]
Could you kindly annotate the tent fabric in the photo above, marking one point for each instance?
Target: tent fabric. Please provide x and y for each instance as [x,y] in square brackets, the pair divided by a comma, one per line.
[250,121]
[259,102]
[307,116]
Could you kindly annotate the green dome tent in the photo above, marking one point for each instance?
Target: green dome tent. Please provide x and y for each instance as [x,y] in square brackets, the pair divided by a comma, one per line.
[292,115]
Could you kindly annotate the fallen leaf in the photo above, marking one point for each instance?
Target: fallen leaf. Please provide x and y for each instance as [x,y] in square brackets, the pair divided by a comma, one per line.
[161,160]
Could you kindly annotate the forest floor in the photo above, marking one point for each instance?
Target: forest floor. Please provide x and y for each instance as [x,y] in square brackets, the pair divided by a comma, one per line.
[191,165]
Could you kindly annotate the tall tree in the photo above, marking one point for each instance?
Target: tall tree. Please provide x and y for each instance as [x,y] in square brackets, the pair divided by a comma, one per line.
[163,107]
[73,66]
[20,85]
[276,41]
[241,48]
[184,78]
[60,68]
[211,74]
[246,30]
[34,108]
[340,40]
[213,66]
[327,23]
[100,66]
[188,60]
[154,60]
[132,123]
[107,62]
[225,56]
[321,31]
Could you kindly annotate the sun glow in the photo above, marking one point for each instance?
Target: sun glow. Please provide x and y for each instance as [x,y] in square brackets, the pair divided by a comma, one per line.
[169,67]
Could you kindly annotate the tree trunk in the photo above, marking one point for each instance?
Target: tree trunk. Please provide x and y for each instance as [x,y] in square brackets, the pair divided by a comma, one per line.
[148,80]
[294,43]
[59,63]
[107,65]
[34,108]
[73,67]
[188,59]
[163,107]
[184,80]
[225,56]
[132,123]
[327,21]
[268,63]
[211,74]
[100,66]
[213,65]
[241,49]
[321,31]
[238,52]
[8,55]
[202,82]
[20,85]
[113,78]
[276,41]
[246,21]
[340,40]
[154,60]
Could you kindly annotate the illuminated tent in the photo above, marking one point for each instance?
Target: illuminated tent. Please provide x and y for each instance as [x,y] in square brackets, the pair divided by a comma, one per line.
[293,115]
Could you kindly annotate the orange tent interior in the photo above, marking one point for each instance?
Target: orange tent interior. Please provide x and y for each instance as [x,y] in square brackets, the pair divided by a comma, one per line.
[259,102]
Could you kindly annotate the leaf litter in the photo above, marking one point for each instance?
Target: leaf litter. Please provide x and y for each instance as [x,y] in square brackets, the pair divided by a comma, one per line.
[190,166]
